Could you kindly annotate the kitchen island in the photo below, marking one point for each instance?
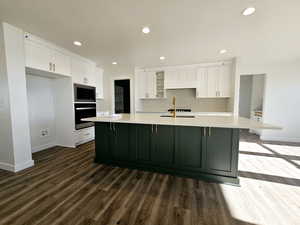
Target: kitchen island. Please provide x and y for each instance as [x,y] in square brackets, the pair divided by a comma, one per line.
[204,147]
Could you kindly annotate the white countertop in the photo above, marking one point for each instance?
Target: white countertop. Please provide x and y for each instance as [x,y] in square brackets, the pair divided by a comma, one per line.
[192,113]
[198,121]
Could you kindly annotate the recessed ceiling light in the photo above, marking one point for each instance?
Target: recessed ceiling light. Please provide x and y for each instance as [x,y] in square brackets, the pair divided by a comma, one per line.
[146,30]
[248,11]
[114,63]
[77,43]
[223,51]
[162,58]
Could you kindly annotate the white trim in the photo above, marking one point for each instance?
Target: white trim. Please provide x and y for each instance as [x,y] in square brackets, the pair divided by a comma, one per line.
[23,166]
[7,166]
[43,147]
[283,139]
[113,92]
[16,168]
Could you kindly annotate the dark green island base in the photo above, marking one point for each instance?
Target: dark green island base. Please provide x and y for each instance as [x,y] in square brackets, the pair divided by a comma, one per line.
[195,152]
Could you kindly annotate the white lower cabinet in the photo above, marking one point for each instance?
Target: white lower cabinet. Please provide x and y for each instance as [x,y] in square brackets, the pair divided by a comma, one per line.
[84,135]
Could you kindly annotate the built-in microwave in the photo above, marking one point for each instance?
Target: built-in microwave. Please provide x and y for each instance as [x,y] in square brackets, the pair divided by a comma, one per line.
[84,93]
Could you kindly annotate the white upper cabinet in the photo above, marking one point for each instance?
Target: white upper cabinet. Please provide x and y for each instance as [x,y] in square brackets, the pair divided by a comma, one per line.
[214,81]
[38,56]
[61,63]
[202,87]
[150,84]
[225,81]
[83,72]
[99,83]
[42,57]
[213,74]
[177,78]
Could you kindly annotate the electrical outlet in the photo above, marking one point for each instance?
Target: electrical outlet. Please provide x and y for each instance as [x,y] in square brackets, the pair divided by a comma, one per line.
[45,132]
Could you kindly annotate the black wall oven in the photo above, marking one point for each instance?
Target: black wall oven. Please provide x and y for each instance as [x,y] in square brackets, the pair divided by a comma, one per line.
[84,93]
[84,110]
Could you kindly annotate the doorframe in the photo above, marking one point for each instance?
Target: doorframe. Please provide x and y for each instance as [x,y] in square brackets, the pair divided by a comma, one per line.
[113,92]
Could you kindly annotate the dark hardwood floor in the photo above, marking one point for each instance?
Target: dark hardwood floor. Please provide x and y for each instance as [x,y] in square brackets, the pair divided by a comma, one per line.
[66,187]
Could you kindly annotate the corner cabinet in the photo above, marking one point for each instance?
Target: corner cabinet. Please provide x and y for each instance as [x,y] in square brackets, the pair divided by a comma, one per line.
[41,56]
[197,152]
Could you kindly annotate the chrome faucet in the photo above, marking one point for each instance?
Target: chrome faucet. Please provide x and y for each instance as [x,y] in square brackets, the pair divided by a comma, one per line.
[174,107]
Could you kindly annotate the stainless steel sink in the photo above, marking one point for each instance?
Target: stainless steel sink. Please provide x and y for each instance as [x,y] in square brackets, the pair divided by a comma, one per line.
[179,116]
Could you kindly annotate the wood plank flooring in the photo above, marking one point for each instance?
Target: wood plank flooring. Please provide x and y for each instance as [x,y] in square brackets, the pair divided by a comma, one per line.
[66,187]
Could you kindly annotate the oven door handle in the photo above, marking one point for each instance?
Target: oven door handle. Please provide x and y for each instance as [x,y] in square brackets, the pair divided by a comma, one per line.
[85,108]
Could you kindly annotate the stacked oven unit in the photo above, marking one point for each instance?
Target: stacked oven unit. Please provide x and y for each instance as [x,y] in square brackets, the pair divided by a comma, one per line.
[84,107]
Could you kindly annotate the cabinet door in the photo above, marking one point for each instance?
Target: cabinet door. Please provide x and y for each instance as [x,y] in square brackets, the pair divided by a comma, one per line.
[202,86]
[120,141]
[102,132]
[38,56]
[99,82]
[144,142]
[78,70]
[225,80]
[141,84]
[151,84]
[221,151]
[90,78]
[62,63]
[213,74]
[162,148]
[188,147]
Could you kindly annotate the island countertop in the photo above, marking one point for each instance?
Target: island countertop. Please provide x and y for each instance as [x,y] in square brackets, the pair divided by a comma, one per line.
[198,121]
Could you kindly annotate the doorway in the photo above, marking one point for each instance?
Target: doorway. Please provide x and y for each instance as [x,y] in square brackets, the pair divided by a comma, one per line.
[122,96]
[252,94]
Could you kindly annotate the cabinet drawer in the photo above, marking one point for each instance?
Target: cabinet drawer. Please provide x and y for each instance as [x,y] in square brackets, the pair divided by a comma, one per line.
[84,135]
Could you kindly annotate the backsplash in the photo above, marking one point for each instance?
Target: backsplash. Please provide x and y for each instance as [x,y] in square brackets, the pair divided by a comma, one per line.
[185,98]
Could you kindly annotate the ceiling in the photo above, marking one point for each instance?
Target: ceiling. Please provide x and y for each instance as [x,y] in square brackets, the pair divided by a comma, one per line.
[184,31]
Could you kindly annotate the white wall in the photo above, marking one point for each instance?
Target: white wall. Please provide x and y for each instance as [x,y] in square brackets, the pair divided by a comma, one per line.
[245,96]
[6,141]
[282,98]
[185,98]
[41,111]
[111,73]
[17,148]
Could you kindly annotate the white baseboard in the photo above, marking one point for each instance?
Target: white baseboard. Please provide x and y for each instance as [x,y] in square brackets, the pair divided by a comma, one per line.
[23,166]
[283,139]
[43,147]
[7,166]
[16,168]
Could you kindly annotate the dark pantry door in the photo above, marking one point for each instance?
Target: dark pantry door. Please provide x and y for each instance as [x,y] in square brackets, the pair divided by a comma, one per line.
[122,96]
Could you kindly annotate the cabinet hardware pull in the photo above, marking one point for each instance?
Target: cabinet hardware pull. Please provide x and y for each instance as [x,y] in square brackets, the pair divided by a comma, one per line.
[50,66]
[110,126]
[152,128]
[209,131]
[156,128]
[85,108]
[204,131]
